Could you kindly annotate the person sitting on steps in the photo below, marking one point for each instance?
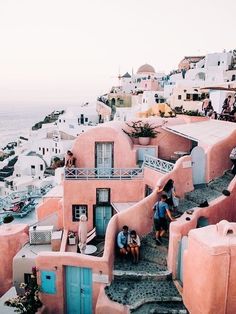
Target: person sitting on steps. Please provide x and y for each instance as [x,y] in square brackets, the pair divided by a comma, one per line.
[161,209]
[122,241]
[134,244]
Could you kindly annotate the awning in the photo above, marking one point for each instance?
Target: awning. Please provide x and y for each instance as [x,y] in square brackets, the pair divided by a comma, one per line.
[207,132]
[119,207]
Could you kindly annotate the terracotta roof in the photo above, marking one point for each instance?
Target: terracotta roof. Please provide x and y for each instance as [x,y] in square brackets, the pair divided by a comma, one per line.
[146,68]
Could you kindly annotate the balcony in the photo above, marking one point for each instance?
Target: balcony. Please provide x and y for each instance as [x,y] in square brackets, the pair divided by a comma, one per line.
[103,173]
[157,164]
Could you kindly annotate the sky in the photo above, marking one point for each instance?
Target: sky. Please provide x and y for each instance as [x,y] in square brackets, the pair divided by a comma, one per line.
[70,51]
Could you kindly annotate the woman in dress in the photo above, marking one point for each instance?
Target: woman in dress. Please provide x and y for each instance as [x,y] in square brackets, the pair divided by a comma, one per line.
[172,198]
[134,244]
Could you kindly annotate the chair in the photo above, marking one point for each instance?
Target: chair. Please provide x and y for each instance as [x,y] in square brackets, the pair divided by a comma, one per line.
[91,235]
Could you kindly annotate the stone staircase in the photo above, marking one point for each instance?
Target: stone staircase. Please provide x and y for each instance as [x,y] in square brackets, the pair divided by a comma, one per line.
[205,192]
[146,287]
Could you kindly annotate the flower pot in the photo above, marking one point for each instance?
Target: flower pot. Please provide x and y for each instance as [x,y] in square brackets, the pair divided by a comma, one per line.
[71,241]
[144,140]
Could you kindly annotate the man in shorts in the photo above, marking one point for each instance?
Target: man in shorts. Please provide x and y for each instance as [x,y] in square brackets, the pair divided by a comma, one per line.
[122,241]
[161,209]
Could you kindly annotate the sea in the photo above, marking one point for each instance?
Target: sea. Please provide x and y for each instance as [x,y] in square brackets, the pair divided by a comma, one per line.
[17,120]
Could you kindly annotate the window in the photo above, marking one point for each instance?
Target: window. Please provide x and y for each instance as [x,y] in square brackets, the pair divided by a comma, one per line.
[103,196]
[55,144]
[56,150]
[179,97]
[86,119]
[47,149]
[39,148]
[78,210]
[218,62]
[41,167]
[195,97]
[188,96]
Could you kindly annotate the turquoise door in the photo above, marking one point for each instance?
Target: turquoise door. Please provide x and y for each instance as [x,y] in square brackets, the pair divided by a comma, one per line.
[102,216]
[78,290]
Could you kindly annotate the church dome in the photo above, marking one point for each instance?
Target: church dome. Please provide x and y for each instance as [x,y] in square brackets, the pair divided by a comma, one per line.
[146,68]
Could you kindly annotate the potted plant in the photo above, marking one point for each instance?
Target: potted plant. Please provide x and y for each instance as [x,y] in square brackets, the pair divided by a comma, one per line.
[29,301]
[71,238]
[7,220]
[144,131]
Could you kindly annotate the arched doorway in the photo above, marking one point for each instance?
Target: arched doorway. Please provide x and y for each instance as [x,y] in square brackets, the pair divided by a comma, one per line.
[198,165]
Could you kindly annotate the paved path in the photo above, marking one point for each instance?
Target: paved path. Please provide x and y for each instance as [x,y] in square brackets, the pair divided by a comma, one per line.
[148,287]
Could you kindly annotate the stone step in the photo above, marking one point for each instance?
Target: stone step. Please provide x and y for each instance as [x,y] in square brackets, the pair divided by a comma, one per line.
[161,308]
[200,195]
[141,275]
[142,266]
[185,204]
[136,293]
[221,183]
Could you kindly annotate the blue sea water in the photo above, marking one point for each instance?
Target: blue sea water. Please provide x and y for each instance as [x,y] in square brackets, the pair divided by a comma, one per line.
[17,120]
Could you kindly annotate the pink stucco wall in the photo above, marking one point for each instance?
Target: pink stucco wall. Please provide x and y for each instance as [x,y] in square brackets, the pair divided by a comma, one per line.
[84,147]
[49,207]
[104,305]
[182,176]
[11,241]
[168,143]
[218,157]
[84,192]
[209,273]
[55,261]
[223,207]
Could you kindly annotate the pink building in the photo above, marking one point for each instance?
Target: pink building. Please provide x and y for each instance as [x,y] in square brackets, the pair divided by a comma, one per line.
[115,183]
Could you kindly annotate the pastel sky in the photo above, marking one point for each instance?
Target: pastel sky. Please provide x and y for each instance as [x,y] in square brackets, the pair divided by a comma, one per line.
[68,51]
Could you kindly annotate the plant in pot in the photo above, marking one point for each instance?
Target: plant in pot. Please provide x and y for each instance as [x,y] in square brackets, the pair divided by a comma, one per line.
[28,301]
[144,131]
[7,220]
[71,238]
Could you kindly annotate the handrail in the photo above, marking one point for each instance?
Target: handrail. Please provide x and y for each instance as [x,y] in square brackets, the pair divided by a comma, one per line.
[103,173]
[157,164]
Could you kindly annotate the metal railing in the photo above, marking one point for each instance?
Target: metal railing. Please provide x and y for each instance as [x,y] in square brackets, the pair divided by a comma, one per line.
[157,164]
[103,173]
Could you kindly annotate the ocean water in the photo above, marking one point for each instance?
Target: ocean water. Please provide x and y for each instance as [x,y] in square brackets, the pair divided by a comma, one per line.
[17,120]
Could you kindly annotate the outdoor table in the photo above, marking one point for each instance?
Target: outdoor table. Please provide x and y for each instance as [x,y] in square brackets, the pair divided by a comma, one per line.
[180,153]
[90,249]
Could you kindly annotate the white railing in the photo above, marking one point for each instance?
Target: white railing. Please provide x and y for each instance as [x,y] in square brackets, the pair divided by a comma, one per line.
[157,164]
[103,173]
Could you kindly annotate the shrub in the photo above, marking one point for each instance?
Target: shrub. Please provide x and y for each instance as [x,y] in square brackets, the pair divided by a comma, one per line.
[29,302]
[8,218]
[141,129]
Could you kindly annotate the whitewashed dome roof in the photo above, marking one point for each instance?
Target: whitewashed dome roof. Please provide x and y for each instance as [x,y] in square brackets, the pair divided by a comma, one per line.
[146,68]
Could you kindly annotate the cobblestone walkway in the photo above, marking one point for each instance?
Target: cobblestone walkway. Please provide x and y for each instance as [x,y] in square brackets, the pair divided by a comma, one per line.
[148,287]
[209,192]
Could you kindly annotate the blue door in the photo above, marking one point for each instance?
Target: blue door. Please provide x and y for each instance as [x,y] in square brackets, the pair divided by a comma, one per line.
[78,290]
[103,215]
